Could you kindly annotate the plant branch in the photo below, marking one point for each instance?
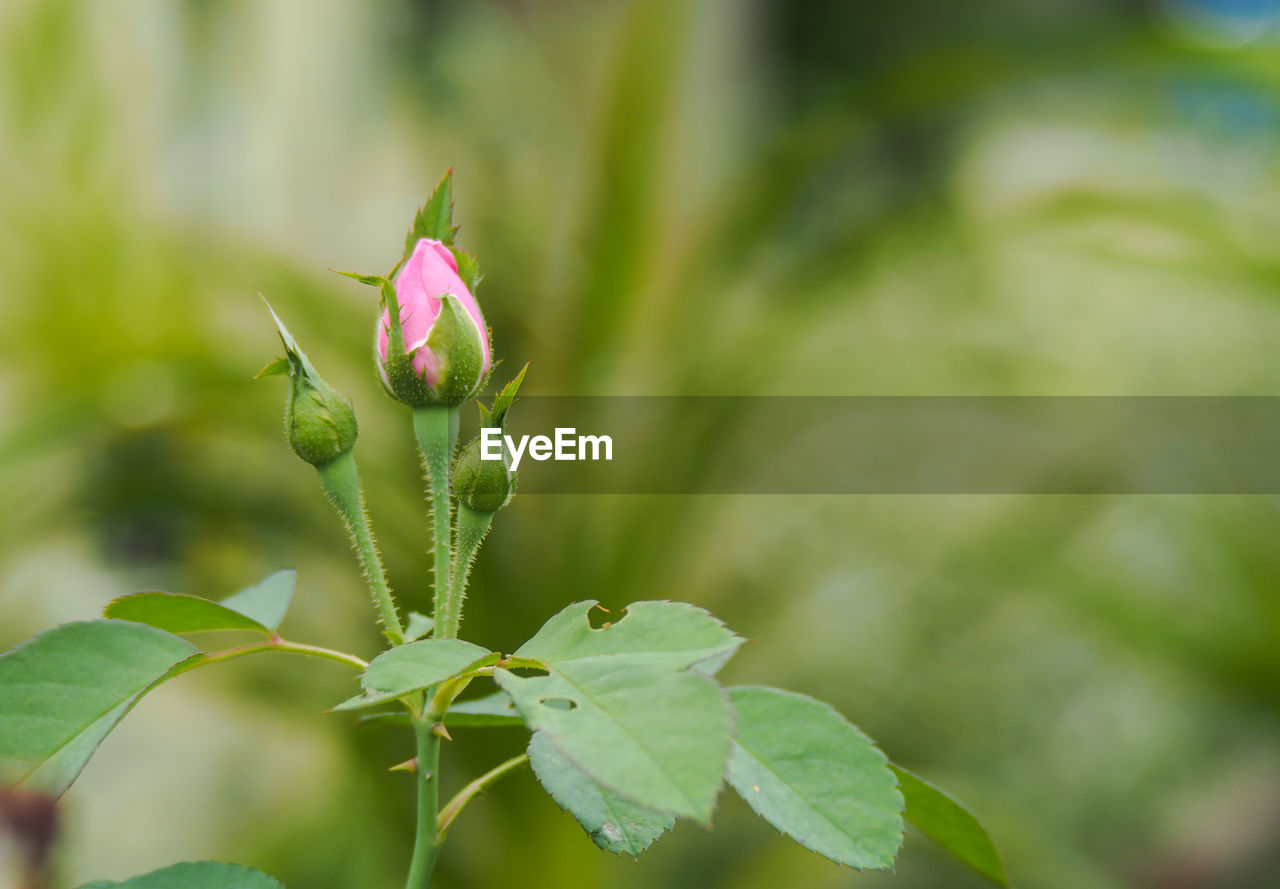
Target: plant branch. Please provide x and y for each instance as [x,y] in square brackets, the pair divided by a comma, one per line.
[426,845]
[434,428]
[275,644]
[341,482]
[451,810]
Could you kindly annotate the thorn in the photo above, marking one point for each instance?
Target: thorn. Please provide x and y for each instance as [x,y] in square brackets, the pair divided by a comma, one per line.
[409,765]
[439,730]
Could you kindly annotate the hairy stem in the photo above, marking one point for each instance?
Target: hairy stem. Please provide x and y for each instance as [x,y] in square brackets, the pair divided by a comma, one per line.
[464,796]
[341,482]
[426,845]
[435,428]
[472,528]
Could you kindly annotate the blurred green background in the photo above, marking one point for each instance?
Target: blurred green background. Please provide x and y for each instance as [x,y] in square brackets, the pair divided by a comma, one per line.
[668,197]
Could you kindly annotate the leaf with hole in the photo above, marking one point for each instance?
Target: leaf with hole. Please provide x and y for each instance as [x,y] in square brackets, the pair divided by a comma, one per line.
[195,875]
[674,635]
[613,822]
[414,667]
[64,690]
[811,774]
[657,736]
[951,825]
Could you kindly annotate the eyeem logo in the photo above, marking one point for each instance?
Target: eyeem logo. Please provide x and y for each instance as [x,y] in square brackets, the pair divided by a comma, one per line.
[565,446]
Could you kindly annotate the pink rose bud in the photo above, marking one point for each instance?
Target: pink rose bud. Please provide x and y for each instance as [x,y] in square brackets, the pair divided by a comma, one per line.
[446,342]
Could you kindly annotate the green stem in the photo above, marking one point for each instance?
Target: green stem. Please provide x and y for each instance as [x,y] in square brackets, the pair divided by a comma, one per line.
[435,427]
[464,796]
[341,480]
[276,644]
[426,846]
[472,528]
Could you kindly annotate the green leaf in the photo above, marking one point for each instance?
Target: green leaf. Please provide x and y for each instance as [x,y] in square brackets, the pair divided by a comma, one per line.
[195,875]
[64,690]
[413,667]
[630,704]
[655,735]
[418,626]
[260,608]
[434,219]
[496,709]
[179,613]
[267,602]
[811,774]
[674,635]
[614,823]
[951,825]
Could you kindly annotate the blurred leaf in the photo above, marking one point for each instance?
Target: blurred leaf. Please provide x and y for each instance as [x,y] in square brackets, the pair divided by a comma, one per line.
[259,608]
[811,774]
[413,667]
[951,825]
[64,690]
[674,635]
[180,613]
[614,823]
[267,602]
[195,875]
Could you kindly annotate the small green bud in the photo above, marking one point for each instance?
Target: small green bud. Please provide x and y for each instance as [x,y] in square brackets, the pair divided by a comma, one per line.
[488,485]
[483,485]
[318,420]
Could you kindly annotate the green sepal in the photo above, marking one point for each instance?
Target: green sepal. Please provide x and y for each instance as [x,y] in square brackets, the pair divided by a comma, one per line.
[505,399]
[488,485]
[319,421]
[455,341]
[468,269]
[277,368]
[434,219]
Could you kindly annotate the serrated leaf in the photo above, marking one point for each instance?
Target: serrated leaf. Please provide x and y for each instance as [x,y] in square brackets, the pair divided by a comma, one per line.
[259,608]
[655,735]
[418,626]
[267,601]
[674,635]
[64,690]
[951,825]
[434,219]
[614,823]
[496,709]
[814,776]
[414,667]
[195,875]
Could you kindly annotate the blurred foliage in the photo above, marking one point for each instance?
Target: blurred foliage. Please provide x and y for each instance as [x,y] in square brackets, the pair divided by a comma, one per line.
[714,197]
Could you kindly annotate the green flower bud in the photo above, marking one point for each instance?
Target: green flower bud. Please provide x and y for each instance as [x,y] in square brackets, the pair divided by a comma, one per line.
[318,420]
[483,485]
[488,485]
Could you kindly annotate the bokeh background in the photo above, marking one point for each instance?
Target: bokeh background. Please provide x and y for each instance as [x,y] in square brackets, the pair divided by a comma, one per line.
[668,197]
